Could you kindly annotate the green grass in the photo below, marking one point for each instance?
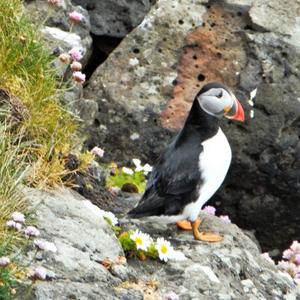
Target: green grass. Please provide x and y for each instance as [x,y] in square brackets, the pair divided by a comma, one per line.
[26,73]
[12,170]
[33,148]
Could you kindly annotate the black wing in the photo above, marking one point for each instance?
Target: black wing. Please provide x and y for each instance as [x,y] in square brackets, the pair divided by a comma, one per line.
[174,181]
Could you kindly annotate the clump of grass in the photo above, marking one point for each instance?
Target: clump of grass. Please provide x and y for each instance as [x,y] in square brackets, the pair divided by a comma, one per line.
[26,73]
[12,171]
[34,146]
[7,283]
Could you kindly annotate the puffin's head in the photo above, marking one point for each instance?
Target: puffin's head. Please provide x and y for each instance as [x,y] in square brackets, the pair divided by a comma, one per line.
[217,100]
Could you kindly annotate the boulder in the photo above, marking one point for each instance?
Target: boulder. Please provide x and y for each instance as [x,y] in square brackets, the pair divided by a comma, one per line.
[146,86]
[115,18]
[83,240]
[133,85]
[231,269]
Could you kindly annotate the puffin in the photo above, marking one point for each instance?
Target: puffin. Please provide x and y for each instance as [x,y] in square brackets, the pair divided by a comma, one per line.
[192,168]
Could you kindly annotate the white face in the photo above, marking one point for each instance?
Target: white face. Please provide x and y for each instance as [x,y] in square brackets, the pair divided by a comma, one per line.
[216,101]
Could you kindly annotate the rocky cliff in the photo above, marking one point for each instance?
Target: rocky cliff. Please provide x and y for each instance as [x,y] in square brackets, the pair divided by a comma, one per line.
[232,269]
[134,103]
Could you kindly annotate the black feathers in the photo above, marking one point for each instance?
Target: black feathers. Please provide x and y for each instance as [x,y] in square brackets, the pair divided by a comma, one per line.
[175,179]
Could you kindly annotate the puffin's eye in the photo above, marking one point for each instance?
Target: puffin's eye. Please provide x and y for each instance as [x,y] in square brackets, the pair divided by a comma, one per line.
[220,94]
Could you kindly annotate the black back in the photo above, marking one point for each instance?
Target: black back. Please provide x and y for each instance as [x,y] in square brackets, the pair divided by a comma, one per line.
[175,179]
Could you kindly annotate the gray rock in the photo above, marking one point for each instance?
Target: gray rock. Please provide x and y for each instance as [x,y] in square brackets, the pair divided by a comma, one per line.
[286,22]
[136,80]
[86,109]
[231,269]
[82,239]
[239,5]
[115,18]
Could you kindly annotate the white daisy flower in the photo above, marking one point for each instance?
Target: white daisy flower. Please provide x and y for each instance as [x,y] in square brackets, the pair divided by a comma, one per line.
[147,168]
[142,240]
[137,163]
[164,249]
[127,171]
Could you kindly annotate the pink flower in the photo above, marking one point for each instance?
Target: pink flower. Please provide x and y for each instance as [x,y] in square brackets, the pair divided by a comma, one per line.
[171,296]
[38,273]
[76,66]
[44,245]
[98,151]
[79,77]
[288,254]
[297,260]
[65,58]
[4,261]
[18,226]
[31,231]
[225,219]
[13,224]
[267,257]
[210,210]
[75,54]
[18,217]
[75,17]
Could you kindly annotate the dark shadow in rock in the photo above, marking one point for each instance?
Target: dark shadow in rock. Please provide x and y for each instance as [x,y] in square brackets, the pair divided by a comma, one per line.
[102,46]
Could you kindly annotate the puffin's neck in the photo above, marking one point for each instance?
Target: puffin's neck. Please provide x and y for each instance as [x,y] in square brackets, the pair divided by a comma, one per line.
[200,124]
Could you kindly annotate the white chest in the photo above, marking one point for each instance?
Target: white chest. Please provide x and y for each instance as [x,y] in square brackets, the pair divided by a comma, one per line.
[214,162]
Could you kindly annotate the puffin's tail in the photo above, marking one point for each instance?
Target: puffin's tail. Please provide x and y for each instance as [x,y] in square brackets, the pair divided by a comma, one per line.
[150,206]
[139,212]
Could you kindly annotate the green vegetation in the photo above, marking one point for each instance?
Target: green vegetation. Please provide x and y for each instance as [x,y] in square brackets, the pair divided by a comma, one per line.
[37,133]
[28,78]
[120,178]
[7,283]
[130,248]
[11,173]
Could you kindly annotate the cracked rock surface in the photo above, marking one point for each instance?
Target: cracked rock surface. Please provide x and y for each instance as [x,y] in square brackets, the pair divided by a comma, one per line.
[231,269]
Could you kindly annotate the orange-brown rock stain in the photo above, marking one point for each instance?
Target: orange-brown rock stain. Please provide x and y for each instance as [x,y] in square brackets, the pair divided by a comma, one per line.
[213,52]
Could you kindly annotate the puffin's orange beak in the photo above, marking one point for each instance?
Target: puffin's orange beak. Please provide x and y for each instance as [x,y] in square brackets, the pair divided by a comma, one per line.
[239,112]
